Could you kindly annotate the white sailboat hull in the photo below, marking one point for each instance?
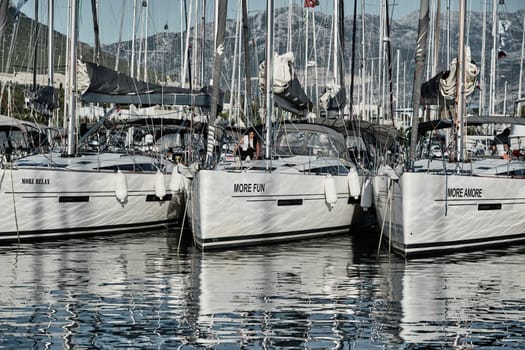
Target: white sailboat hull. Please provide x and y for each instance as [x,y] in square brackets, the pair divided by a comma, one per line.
[40,203]
[427,213]
[240,208]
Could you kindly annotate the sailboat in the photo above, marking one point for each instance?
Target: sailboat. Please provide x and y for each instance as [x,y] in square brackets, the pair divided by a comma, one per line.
[304,186]
[65,194]
[454,203]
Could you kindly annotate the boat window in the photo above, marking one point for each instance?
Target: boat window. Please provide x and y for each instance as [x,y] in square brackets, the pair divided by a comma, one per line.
[23,163]
[355,142]
[147,167]
[16,138]
[330,169]
[305,143]
[170,141]
[513,173]
[290,143]
[321,144]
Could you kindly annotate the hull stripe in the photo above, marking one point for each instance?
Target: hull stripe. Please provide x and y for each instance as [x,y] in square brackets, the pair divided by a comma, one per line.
[450,246]
[269,237]
[81,231]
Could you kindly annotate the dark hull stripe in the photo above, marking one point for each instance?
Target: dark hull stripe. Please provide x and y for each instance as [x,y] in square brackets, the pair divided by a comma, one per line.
[9,237]
[224,242]
[411,250]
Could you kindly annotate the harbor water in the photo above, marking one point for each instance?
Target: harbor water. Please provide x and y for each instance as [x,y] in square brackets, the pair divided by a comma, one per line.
[148,291]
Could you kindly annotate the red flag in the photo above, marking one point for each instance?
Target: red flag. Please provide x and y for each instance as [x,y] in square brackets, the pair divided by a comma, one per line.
[311,3]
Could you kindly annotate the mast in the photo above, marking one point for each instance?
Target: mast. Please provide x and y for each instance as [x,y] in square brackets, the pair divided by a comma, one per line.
[482,68]
[73,35]
[51,59]
[397,81]
[195,45]
[437,26]
[247,75]
[233,111]
[133,37]
[145,11]
[67,81]
[389,59]
[120,35]
[354,34]
[380,63]
[182,10]
[95,30]
[460,83]
[521,60]
[432,113]
[50,41]
[36,46]
[222,7]
[418,76]
[448,32]
[493,61]
[339,87]
[187,65]
[306,48]
[340,48]
[269,79]
[336,42]
[290,9]
[363,63]
[203,43]
[316,71]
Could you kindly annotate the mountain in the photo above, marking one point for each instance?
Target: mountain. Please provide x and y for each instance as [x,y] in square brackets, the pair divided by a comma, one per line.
[165,51]
[30,40]
[403,38]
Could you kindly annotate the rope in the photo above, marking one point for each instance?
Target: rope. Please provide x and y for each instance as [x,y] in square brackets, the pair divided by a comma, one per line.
[14,203]
[384,218]
[193,212]
[182,225]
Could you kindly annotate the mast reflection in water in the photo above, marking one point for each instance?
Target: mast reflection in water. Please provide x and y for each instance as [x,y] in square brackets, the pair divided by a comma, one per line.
[141,291]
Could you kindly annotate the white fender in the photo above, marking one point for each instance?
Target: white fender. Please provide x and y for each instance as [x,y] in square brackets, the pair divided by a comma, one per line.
[329,191]
[354,183]
[367,195]
[121,186]
[160,186]
[176,181]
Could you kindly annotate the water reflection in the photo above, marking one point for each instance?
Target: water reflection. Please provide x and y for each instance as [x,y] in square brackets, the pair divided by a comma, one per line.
[287,295]
[145,291]
[472,299]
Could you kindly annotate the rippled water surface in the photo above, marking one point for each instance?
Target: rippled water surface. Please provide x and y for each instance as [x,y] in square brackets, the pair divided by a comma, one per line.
[143,291]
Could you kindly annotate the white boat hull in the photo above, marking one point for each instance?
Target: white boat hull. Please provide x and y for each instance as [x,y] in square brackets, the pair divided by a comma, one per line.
[241,208]
[43,203]
[429,213]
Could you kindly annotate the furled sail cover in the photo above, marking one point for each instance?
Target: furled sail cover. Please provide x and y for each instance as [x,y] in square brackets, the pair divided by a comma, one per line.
[334,98]
[441,89]
[99,84]
[288,92]
[42,99]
